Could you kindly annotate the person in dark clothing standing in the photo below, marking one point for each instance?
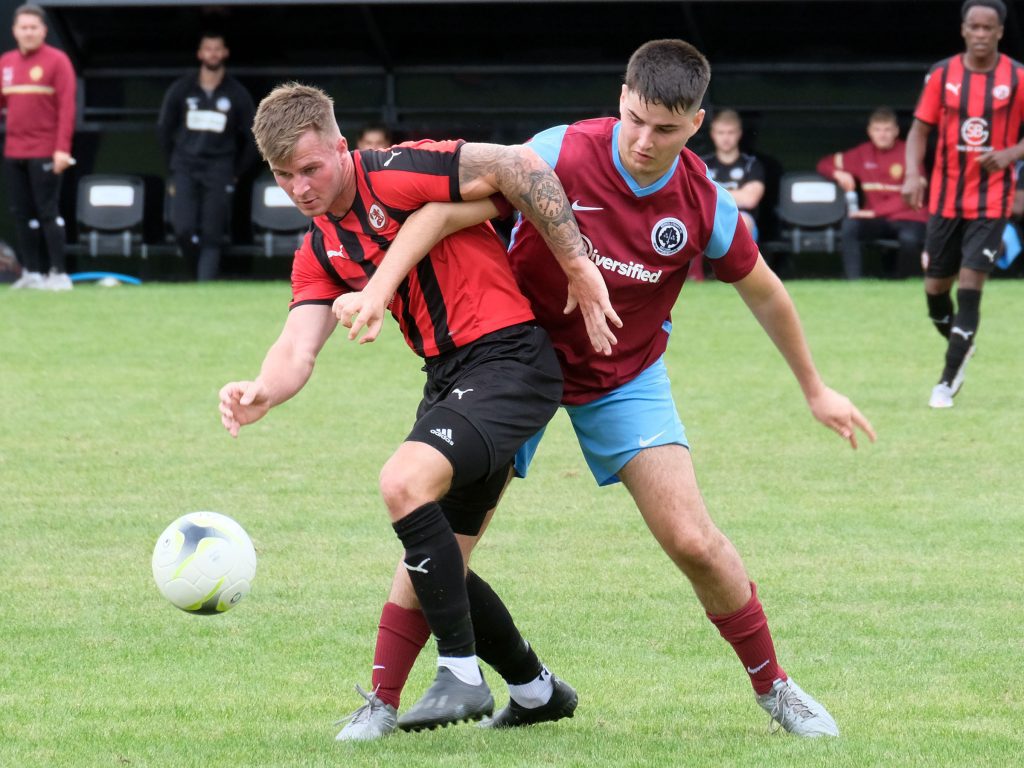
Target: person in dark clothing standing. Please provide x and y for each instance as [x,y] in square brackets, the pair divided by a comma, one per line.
[204,132]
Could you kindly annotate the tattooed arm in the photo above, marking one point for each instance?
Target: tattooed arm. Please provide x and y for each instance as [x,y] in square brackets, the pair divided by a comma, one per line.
[530,184]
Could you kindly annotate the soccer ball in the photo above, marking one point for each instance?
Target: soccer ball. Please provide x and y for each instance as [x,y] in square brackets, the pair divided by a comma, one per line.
[204,562]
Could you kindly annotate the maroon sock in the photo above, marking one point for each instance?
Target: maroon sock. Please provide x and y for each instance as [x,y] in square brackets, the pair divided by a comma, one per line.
[401,635]
[747,631]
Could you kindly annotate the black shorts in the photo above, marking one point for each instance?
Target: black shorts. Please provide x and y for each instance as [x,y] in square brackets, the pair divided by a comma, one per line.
[971,243]
[480,404]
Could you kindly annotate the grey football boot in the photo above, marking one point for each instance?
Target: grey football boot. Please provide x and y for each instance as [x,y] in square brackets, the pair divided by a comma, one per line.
[796,711]
[374,720]
[448,700]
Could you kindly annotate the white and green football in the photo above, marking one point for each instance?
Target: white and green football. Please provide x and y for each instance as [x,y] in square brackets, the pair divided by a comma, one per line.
[204,562]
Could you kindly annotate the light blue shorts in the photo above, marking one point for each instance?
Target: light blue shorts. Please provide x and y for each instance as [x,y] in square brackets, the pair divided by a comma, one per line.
[615,428]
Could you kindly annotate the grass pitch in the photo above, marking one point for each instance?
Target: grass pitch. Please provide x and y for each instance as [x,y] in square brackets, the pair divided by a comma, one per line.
[891,575]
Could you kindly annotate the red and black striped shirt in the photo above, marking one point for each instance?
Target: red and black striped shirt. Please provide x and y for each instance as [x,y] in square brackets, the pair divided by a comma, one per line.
[975,112]
[462,290]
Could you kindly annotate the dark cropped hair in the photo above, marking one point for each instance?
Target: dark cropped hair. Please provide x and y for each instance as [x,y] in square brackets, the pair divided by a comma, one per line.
[996,5]
[669,72]
[30,9]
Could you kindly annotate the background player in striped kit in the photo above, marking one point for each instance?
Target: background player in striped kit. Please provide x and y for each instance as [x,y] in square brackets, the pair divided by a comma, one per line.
[976,103]
[647,208]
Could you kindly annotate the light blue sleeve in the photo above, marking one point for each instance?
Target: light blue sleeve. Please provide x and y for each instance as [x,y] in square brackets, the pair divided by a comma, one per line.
[548,144]
[724,228]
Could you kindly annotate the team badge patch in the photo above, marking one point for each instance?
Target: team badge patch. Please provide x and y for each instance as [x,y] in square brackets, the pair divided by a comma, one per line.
[377,217]
[223,104]
[1001,92]
[974,131]
[668,236]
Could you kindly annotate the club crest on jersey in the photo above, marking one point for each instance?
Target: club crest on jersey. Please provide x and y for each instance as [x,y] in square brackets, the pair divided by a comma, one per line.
[974,131]
[377,217]
[1001,92]
[668,236]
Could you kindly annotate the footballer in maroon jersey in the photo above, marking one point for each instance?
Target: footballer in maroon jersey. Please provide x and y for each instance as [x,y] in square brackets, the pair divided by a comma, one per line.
[493,379]
[975,102]
[646,207]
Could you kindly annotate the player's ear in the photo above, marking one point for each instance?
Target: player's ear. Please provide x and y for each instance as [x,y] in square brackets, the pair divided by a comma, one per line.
[698,119]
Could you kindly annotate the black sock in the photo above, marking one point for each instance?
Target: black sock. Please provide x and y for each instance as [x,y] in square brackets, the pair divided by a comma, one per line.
[940,310]
[498,641]
[434,563]
[961,337]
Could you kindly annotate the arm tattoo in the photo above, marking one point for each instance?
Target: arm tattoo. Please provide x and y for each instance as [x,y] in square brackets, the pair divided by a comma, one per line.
[531,186]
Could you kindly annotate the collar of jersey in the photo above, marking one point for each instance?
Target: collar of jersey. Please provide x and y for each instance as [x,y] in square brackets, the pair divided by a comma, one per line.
[635,188]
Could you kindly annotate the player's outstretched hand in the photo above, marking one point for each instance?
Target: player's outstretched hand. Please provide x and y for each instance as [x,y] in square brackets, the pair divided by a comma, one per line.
[837,413]
[588,291]
[358,310]
[241,403]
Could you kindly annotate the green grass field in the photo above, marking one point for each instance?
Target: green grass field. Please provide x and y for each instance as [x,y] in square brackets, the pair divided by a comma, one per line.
[891,575]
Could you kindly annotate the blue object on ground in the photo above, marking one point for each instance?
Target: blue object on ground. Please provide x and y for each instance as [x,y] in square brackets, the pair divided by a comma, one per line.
[79,277]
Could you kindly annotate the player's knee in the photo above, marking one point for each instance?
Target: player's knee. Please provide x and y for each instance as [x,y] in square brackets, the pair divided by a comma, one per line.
[403,487]
[692,548]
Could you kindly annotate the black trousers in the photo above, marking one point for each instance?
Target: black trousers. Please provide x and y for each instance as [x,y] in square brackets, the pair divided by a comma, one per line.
[200,205]
[905,263]
[33,190]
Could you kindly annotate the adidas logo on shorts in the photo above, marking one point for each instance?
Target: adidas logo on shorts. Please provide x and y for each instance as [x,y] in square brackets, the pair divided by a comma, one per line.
[444,434]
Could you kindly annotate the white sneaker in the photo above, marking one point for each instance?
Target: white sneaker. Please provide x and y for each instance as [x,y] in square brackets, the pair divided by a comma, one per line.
[58,281]
[28,280]
[373,720]
[942,396]
[797,712]
[958,380]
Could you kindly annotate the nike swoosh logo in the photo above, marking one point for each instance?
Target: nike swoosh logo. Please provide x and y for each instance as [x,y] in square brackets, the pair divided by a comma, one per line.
[577,207]
[645,442]
[758,668]
[379,666]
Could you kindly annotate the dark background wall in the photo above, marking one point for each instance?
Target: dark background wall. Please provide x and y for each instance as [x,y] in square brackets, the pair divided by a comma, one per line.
[803,74]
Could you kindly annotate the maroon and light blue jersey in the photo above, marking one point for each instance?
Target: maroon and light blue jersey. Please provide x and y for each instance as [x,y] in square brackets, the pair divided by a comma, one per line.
[462,290]
[642,239]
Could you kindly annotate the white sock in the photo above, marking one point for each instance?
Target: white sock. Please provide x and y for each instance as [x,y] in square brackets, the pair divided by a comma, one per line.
[465,668]
[535,693]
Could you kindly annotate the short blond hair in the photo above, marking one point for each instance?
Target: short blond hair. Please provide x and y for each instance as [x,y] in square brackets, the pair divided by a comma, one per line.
[730,116]
[288,112]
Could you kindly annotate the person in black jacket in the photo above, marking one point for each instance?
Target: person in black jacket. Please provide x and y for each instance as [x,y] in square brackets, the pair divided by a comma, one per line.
[204,132]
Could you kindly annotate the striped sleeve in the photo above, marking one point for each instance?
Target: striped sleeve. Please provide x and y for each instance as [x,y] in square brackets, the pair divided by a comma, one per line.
[929,106]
